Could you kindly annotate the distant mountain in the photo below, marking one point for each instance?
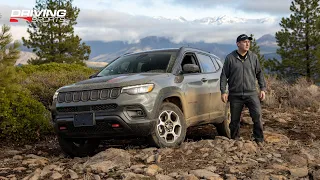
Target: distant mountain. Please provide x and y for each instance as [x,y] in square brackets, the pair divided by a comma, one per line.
[181,19]
[267,40]
[24,57]
[107,51]
[272,55]
[219,20]
[268,46]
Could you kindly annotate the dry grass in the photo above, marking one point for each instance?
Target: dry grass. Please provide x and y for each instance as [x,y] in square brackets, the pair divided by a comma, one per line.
[302,94]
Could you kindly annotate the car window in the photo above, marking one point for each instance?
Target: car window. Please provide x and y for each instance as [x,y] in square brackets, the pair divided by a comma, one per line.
[138,63]
[125,66]
[206,63]
[189,58]
[214,60]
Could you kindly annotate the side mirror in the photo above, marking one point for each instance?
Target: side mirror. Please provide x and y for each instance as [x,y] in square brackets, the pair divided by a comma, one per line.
[191,68]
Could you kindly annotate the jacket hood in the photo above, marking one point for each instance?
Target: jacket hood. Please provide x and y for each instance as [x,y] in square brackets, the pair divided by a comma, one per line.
[235,54]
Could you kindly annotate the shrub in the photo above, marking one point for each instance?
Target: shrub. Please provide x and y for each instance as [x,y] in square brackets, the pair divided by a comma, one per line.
[43,80]
[302,94]
[26,93]
[22,118]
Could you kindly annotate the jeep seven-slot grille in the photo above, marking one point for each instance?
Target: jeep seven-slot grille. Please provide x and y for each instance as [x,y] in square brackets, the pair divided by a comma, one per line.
[102,107]
[89,95]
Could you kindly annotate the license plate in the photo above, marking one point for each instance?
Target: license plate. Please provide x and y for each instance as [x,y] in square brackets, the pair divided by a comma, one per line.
[85,119]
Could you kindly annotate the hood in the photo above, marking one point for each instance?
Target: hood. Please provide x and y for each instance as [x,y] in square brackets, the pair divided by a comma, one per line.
[120,80]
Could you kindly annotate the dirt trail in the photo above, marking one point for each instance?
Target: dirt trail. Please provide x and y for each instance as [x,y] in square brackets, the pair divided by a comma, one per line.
[291,151]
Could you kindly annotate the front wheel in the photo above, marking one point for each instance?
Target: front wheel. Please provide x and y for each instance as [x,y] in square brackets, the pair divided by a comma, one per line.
[223,128]
[78,147]
[170,129]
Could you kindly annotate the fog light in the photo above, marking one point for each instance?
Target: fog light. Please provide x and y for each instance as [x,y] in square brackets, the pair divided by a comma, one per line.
[135,112]
[139,113]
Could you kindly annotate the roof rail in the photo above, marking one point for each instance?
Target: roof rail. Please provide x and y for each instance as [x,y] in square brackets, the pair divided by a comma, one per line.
[195,48]
[128,53]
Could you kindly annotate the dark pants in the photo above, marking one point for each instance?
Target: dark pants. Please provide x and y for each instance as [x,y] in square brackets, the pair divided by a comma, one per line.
[254,106]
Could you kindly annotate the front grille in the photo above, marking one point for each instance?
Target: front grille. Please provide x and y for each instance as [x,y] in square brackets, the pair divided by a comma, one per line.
[69,97]
[62,97]
[104,93]
[91,95]
[115,93]
[102,107]
[76,96]
[85,96]
[94,95]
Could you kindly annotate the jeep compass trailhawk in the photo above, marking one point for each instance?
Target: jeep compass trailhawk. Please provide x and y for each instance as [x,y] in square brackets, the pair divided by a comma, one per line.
[156,94]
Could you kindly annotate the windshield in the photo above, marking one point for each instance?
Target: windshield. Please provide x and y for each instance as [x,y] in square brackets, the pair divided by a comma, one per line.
[138,63]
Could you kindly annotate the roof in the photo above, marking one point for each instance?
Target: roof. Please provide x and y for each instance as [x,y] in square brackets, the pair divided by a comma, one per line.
[153,50]
[172,49]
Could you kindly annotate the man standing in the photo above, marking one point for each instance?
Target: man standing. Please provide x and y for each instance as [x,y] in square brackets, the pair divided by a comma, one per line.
[240,71]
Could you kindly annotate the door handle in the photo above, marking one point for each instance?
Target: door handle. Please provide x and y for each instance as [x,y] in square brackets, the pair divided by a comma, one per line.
[204,79]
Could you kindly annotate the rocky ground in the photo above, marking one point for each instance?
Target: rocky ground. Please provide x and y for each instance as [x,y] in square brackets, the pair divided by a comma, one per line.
[291,151]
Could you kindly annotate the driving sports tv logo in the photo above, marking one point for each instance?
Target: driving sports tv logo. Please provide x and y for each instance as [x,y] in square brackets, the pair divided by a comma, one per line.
[44,15]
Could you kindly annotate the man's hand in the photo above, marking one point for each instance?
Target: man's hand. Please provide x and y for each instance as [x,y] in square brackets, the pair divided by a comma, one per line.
[224,98]
[262,95]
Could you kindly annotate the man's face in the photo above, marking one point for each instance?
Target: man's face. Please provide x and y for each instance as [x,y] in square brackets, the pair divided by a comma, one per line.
[244,45]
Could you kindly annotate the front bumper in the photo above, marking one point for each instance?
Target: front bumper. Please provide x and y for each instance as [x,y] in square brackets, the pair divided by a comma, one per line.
[108,123]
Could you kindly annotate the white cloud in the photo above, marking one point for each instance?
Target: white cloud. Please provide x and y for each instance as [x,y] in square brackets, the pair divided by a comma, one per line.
[270,7]
[18,32]
[111,25]
[273,7]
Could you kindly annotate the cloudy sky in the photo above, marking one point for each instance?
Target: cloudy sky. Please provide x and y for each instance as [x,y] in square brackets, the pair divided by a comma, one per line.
[131,20]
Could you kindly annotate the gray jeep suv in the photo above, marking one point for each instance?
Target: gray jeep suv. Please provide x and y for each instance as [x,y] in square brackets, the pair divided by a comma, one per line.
[156,94]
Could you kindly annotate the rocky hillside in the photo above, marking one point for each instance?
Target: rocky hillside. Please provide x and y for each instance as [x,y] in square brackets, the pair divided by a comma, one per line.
[291,151]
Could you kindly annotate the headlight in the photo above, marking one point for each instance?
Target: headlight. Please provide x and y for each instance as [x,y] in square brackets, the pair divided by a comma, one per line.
[139,89]
[55,96]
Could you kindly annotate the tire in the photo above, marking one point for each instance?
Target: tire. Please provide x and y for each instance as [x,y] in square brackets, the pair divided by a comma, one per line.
[170,129]
[78,147]
[223,128]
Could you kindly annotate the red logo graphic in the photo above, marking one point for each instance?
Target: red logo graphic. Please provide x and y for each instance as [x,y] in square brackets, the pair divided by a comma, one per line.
[43,15]
[16,19]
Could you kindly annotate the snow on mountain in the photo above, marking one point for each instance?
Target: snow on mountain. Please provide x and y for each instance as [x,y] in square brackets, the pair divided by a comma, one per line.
[218,20]
[180,18]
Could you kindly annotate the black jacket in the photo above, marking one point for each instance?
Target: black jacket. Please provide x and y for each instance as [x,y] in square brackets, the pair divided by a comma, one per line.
[241,75]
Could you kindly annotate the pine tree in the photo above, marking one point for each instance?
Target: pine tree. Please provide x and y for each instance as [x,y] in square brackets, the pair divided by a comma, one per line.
[256,49]
[298,40]
[55,41]
[9,53]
